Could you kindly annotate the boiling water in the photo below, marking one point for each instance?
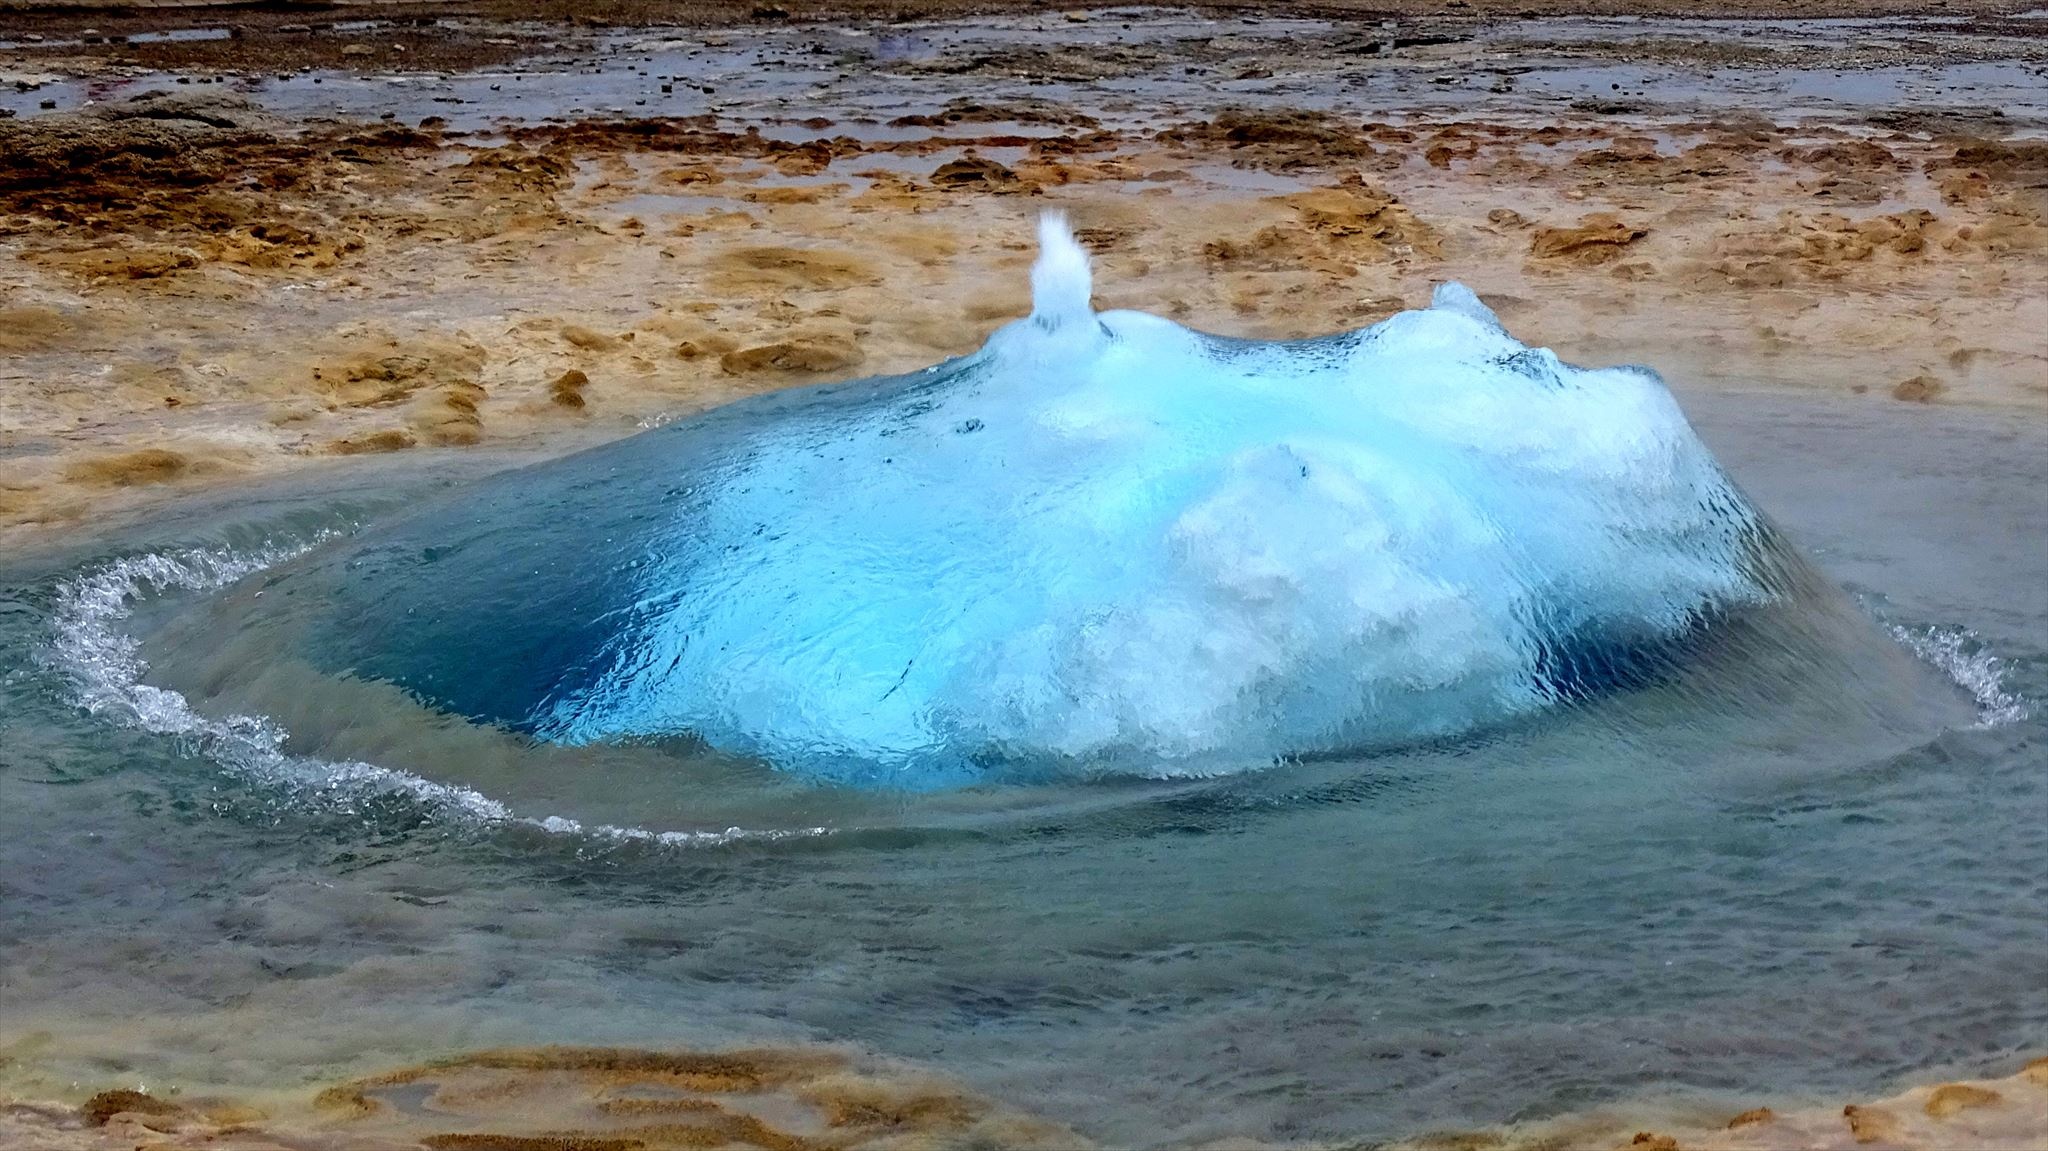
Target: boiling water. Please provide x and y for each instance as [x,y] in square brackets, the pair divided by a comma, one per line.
[1801,851]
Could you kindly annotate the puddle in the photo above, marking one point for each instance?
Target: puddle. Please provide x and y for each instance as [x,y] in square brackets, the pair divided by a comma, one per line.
[179,35]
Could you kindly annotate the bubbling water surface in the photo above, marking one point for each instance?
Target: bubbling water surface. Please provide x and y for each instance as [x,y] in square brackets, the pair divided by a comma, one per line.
[305,784]
[1102,545]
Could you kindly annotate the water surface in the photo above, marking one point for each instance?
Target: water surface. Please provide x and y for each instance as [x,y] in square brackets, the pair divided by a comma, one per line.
[1766,889]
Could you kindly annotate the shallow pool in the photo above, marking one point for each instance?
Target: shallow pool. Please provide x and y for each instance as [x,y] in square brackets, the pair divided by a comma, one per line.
[1753,880]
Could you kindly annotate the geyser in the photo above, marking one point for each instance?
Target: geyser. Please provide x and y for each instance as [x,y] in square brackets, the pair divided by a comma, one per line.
[1103,543]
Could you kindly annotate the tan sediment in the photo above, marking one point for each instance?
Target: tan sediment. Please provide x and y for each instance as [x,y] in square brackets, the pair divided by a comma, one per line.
[1953,1098]
[144,324]
[1596,239]
[567,390]
[127,469]
[816,1099]
[2009,1114]
[101,1108]
[1921,389]
[575,1099]
[388,440]
[1871,1124]
[804,352]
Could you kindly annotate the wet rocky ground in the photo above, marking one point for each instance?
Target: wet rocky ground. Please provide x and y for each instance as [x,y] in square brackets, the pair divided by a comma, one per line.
[213,272]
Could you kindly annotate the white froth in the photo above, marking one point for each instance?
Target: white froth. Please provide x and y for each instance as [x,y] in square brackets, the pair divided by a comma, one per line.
[1958,654]
[105,667]
[1114,544]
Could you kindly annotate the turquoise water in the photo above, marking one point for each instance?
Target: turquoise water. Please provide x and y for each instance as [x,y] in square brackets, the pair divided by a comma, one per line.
[1814,860]
[1104,545]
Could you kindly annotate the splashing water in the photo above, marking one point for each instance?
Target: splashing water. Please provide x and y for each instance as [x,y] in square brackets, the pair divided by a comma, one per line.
[1701,819]
[1102,544]
[106,671]
[1108,539]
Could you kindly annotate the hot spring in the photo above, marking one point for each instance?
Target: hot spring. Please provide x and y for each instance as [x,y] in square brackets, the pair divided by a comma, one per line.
[1179,735]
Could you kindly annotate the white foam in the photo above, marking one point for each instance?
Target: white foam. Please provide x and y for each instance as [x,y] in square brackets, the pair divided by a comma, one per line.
[105,667]
[1110,544]
[1958,654]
